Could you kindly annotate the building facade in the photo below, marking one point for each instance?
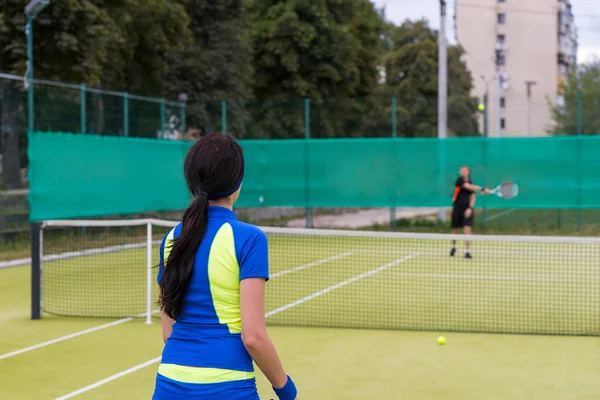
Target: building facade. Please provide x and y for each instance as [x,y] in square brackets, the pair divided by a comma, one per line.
[519,53]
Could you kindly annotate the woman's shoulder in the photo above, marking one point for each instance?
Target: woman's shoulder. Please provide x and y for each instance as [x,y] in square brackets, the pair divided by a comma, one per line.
[247,230]
[172,233]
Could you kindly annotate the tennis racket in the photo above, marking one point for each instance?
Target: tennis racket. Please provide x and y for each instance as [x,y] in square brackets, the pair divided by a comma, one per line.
[506,190]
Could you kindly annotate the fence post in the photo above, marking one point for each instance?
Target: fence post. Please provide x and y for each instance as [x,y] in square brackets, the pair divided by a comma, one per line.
[579,155]
[306,162]
[162,116]
[223,116]
[393,208]
[125,114]
[485,137]
[182,118]
[82,103]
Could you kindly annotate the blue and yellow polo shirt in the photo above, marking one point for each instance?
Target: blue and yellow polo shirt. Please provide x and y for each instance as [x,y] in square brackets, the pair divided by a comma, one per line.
[206,344]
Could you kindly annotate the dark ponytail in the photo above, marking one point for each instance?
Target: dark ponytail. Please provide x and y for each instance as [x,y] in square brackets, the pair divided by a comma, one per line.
[214,169]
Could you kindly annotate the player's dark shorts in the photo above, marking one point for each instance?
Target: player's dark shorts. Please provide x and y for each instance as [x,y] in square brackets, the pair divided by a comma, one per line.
[458,216]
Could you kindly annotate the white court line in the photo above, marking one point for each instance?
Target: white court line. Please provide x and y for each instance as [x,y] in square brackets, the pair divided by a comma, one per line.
[500,214]
[122,321]
[109,379]
[71,254]
[66,337]
[267,315]
[342,284]
[489,277]
[15,263]
[312,264]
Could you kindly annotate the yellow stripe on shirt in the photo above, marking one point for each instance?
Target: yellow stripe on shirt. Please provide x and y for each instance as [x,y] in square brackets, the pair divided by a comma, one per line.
[168,246]
[182,373]
[224,279]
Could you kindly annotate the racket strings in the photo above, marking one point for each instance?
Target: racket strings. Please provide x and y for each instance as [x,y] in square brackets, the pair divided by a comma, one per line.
[509,190]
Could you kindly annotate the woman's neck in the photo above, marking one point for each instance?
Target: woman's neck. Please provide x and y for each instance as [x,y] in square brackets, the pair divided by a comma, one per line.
[225,203]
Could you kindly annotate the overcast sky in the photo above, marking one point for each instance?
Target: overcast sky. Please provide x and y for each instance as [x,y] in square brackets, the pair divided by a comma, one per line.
[587,20]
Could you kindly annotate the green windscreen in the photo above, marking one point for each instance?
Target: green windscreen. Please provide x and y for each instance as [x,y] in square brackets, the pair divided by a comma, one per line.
[74,176]
[83,175]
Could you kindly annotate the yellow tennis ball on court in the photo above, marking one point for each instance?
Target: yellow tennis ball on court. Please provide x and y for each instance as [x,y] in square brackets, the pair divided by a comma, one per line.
[481,107]
[441,340]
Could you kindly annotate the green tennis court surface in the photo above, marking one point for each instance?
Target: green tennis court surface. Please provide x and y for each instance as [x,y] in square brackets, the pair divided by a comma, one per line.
[323,289]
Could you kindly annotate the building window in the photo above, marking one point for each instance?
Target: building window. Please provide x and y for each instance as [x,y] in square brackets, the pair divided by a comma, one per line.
[501,18]
[501,59]
[501,39]
[502,123]
[502,102]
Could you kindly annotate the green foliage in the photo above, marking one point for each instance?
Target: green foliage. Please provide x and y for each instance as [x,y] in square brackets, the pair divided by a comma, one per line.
[264,57]
[110,43]
[319,49]
[217,66]
[582,102]
[325,50]
[99,42]
[411,65]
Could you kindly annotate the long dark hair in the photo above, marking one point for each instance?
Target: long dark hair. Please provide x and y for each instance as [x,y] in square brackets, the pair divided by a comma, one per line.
[214,169]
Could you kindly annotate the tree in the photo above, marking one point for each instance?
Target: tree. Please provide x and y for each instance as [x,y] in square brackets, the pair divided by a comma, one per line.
[582,90]
[324,50]
[411,66]
[98,42]
[217,66]
[107,43]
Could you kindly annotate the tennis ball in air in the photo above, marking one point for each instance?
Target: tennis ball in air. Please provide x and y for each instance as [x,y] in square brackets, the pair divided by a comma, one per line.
[261,199]
[441,340]
[481,108]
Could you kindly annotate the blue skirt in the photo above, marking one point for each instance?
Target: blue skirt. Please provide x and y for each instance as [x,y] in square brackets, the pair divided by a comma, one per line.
[168,389]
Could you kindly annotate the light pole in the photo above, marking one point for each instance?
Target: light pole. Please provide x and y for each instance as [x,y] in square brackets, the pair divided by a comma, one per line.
[529,84]
[442,131]
[31,11]
[183,98]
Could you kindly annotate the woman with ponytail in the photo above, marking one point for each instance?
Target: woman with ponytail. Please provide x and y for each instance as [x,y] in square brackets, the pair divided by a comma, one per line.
[212,276]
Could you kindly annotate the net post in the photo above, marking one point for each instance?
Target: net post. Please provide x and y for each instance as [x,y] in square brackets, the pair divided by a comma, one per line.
[36,270]
[148,274]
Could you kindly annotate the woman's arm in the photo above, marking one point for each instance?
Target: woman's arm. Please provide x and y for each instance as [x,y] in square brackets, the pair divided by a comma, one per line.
[166,324]
[254,332]
[469,211]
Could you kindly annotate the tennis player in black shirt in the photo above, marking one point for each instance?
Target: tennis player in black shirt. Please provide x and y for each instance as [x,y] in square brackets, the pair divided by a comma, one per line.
[463,202]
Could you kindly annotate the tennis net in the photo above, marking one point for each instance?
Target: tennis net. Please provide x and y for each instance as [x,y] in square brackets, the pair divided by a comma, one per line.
[345,279]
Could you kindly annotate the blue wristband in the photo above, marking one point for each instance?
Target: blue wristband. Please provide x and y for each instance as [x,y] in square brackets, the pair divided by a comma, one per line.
[288,392]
